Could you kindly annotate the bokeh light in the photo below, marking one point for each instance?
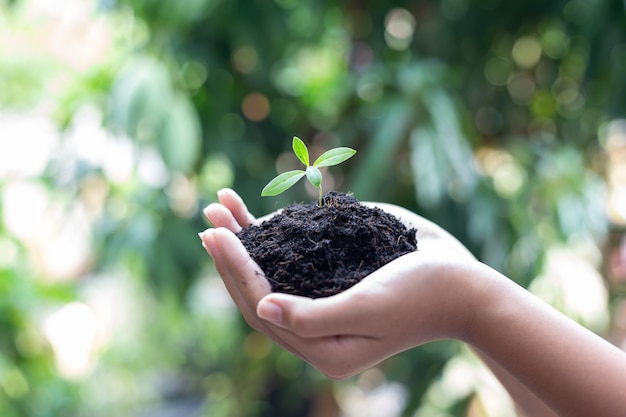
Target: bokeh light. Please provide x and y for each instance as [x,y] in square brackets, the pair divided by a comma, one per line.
[399,28]
[526,51]
[255,107]
[245,59]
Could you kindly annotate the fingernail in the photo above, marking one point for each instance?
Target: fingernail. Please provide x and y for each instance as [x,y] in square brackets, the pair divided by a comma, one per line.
[221,193]
[202,236]
[270,311]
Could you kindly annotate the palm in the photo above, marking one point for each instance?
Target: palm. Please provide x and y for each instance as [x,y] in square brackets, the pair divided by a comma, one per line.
[331,333]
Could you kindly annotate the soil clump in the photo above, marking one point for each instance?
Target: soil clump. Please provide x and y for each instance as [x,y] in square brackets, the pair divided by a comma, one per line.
[316,251]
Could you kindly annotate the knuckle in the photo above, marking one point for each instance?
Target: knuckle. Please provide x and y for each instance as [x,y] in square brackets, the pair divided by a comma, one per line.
[300,324]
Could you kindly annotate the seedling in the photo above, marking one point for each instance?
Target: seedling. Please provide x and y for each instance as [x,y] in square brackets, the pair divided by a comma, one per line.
[287,179]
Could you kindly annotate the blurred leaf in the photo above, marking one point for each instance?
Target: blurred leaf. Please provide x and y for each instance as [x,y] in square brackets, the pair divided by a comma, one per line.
[377,158]
[428,168]
[441,157]
[452,143]
[418,76]
[141,98]
[180,137]
[422,119]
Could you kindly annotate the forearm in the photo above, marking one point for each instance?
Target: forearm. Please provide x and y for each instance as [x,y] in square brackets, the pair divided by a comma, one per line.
[526,402]
[572,370]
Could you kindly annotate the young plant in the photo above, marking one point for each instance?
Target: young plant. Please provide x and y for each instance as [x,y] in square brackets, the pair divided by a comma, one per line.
[287,179]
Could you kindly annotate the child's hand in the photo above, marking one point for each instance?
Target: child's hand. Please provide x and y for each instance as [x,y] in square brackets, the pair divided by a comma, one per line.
[420,297]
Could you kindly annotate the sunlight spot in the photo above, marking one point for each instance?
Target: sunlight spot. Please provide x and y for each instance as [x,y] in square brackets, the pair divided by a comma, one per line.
[27,142]
[23,208]
[72,333]
[183,195]
[399,29]
[151,169]
[572,285]
[385,399]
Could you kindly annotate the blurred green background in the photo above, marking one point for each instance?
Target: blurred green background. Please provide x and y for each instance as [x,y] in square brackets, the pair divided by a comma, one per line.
[119,120]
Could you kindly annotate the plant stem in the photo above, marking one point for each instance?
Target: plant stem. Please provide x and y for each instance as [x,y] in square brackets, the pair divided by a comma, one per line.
[321,201]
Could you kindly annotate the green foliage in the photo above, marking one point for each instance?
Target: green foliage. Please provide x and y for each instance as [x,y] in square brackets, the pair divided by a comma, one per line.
[491,118]
[287,179]
[148,107]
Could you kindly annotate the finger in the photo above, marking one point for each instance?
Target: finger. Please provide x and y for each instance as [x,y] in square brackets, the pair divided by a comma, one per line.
[242,277]
[341,314]
[370,308]
[214,248]
[226,253]
[231,200]
[239,269]
[337,357]
[333,355]
[220,216]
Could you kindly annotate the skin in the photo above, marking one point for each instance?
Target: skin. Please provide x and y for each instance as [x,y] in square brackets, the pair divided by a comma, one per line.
[549,364]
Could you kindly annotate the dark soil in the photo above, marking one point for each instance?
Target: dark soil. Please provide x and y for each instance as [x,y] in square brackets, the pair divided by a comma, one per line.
[318,251]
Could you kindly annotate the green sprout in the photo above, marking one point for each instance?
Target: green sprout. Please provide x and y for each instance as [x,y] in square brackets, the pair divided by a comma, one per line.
[287,179]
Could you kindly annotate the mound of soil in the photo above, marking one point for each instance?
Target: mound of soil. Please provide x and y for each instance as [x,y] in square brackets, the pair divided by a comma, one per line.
[318,251]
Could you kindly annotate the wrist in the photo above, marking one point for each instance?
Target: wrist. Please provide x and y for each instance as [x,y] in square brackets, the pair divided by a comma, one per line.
[483,288]
[451,298]
[495,309]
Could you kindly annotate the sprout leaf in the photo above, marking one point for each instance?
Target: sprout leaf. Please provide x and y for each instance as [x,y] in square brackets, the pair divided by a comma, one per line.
[334,157]
[301,151]
[282,182]
[314,176]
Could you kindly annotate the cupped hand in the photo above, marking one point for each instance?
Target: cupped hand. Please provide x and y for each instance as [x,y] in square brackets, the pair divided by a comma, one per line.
[420,297]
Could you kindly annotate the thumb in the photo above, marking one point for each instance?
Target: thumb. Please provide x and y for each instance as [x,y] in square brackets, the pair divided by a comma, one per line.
[339,314]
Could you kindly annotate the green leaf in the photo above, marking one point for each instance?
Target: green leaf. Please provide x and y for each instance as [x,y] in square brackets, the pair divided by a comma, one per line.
[140,96]
[282,182]
[375,165]
[179,137]
[314,176]
[334,157]
[301,151]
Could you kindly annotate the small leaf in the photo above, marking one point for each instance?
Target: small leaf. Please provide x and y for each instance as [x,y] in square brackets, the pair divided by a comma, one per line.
[301,151]
[179,136]
[334,157]
[282,182]
[314,176]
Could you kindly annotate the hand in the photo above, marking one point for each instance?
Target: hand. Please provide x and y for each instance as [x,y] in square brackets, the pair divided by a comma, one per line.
[420,297]
[551,365]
